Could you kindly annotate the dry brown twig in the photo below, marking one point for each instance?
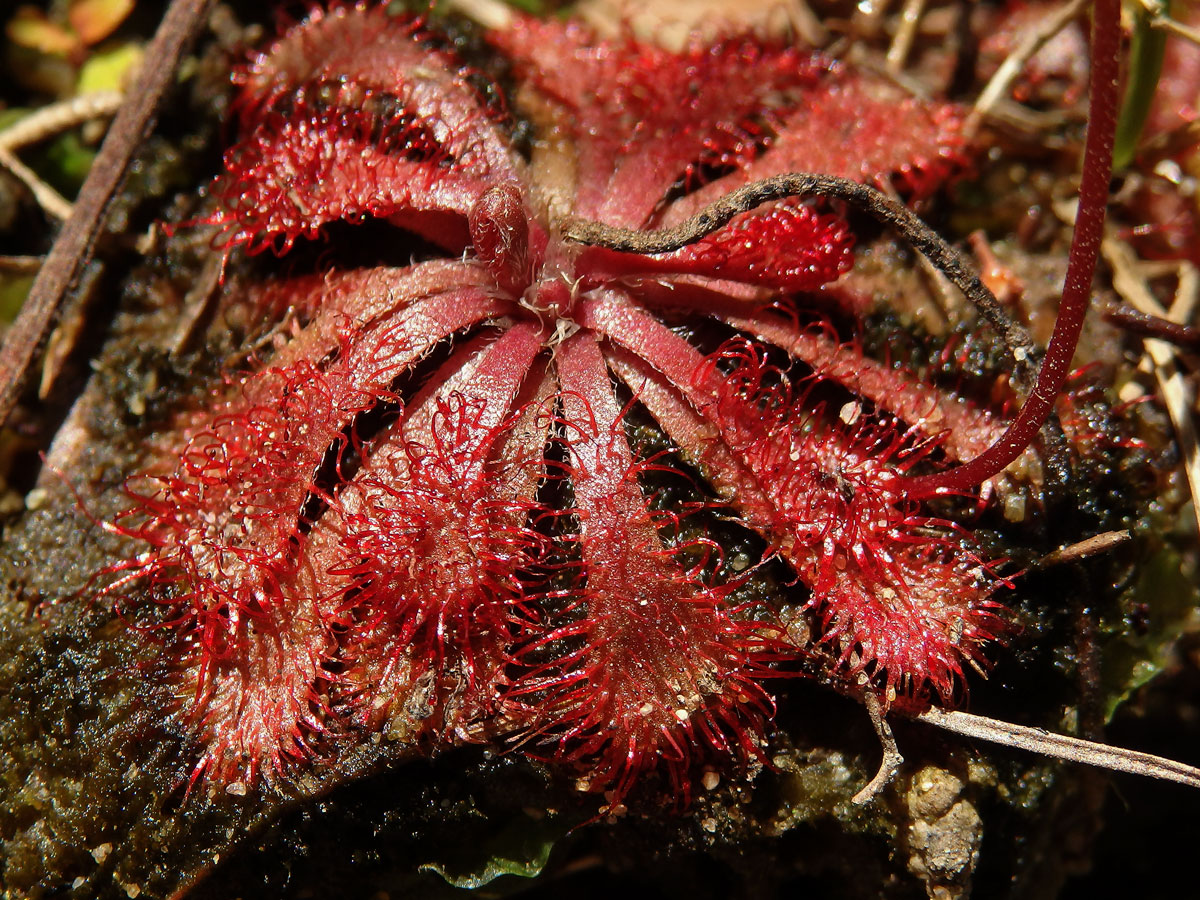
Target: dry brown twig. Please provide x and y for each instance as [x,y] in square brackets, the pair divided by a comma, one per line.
[998,87]
[1061,746]
[1159,19]
[1176,395]
[45,123]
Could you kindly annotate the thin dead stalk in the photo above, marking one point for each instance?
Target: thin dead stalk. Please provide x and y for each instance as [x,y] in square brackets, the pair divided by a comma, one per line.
[54,203]
[1000,84]
[716,215]
[891,761]
[58,117]
[910,20]
[73,247]
[1159,19]
[1061,746]
[47,122]
[1172,386]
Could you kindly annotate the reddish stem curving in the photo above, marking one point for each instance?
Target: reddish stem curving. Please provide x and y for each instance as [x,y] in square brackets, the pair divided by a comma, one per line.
[1081,266]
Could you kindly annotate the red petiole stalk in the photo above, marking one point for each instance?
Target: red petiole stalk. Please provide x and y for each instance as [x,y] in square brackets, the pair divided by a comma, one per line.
[1081,267]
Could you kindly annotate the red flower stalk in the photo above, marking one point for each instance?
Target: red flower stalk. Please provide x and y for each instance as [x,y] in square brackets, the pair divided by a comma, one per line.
[488,561]
[1077,292]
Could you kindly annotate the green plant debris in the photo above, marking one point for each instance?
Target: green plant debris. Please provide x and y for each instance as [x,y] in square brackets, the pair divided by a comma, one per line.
[65,163]
[13,291]
[1133,656]
[521,848]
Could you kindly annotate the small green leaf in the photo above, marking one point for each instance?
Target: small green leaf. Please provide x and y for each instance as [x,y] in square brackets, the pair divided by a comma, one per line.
[106,70]
[521,848]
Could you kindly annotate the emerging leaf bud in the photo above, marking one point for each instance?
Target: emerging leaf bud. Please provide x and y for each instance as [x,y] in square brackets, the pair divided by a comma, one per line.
[500,234]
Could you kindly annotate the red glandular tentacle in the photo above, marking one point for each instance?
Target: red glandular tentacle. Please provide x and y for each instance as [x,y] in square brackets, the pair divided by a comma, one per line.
[854,125]
[361,51]
[254,592]
[832,508]
[350,299]
[649,341]
[785,246]
[292,177]
[664,662]
[697,437]
[355,115]
[963,430]
[433,544]
[663,117]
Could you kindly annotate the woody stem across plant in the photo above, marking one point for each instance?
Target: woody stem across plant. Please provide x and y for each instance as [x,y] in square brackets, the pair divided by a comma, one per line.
[1081,266]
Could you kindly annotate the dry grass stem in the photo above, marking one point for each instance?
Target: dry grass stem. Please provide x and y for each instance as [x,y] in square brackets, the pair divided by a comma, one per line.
[998,87]
[46,123]
[805,23]
[1061,746]
[1159,19]
[910,20]
[1176,395]
[54,203]
[58,117]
